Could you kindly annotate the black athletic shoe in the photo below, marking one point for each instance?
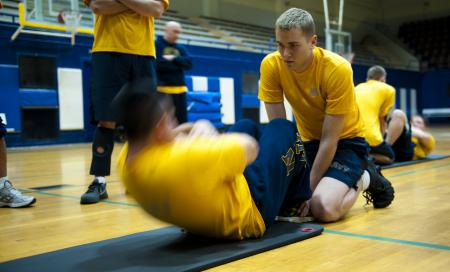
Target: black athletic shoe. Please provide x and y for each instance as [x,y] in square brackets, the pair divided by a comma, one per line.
[380,191]
[95,192]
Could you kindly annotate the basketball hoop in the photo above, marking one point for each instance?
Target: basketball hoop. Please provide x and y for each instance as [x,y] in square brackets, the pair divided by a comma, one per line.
[71,19]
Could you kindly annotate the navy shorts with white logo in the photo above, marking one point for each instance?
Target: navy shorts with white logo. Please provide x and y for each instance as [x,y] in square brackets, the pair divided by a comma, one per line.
[348,163]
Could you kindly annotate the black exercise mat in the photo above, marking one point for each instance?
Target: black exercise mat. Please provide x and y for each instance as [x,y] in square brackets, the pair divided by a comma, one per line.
[428,158]
[166,249]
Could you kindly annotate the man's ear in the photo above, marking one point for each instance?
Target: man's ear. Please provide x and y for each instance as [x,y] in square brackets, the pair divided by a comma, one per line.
[313,40]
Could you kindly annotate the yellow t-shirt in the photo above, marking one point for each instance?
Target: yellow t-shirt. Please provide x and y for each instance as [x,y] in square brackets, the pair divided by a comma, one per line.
[126,32]
[197,184]
[375,99]
[422,150]
[325,87]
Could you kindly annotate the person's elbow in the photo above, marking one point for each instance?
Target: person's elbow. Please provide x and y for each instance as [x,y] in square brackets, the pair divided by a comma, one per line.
[95,8]
[156,10]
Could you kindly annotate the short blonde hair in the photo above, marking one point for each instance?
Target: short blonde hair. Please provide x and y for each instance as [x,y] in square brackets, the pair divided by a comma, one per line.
[296,18]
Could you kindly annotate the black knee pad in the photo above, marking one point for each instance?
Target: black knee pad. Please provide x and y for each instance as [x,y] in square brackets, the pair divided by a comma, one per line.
[102,148]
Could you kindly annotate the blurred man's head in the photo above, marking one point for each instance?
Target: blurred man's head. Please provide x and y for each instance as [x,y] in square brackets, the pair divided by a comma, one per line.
[296,39]
[172,31]
[144,113]
[418,122]
[376,73]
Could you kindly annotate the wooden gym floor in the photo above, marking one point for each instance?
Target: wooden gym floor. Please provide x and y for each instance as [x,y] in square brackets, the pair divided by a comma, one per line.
[413,234]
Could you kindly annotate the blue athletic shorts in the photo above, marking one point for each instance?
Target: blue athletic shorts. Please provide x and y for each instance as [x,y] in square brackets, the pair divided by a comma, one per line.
[383,149]
[348,163]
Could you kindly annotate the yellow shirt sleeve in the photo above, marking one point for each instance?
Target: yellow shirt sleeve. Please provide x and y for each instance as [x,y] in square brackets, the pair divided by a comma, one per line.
[340,94]
[165,3]
[430,146]
[269,87]
[389,102]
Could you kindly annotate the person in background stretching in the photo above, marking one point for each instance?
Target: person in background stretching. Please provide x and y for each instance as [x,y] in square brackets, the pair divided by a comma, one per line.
[376,100]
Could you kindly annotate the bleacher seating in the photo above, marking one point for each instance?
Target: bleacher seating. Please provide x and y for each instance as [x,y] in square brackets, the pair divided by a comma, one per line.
[430,40]
[214,32]
[259,38]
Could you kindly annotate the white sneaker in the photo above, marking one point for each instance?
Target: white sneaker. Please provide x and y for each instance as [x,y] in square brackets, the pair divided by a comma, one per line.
[11,197]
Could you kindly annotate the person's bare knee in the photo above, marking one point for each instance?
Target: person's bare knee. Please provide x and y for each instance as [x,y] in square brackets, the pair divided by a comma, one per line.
[399,116]
[324,210]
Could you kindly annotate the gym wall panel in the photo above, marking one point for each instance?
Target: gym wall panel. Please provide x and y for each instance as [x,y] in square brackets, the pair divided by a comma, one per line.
[227,100]
[199,84]
[70,94]
[9,96]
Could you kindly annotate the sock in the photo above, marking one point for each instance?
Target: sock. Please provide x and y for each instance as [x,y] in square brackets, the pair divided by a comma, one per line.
[364,181]
[101,180]
[2,181]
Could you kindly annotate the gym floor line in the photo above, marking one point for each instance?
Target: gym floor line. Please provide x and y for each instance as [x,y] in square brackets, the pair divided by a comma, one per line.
[328,231]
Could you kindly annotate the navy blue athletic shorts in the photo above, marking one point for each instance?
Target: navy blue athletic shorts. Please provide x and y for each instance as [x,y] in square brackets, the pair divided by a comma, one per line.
[348,163]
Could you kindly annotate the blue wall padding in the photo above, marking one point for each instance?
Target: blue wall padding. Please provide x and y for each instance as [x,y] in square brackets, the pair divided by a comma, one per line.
[9,95]
[38,98]
[250,101]
[436,89]
[218,124]
[212,116]
[205,97]
[189,83]
[213,84]
[203,107]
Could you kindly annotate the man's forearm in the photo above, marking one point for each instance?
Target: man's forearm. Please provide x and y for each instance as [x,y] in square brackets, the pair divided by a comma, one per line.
[331,129]
[153,8]
[423,137]
[107,7]
[275,110]
[324,157]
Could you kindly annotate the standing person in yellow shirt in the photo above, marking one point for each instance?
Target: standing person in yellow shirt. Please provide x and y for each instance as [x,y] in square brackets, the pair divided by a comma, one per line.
[319,86]
[123,50]
[375,100]
[211,184]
